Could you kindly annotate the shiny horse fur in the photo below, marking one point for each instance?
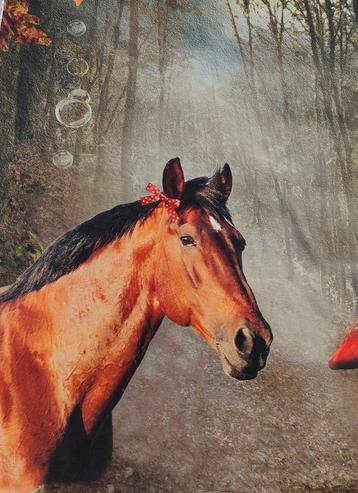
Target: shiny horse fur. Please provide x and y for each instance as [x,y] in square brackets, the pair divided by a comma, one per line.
[75,326]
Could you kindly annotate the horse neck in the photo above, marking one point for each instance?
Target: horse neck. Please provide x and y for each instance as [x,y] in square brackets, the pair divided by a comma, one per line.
[100,316]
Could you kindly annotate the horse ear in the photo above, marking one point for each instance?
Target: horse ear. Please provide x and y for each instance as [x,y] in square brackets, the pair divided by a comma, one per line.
[222,180]
[173,179]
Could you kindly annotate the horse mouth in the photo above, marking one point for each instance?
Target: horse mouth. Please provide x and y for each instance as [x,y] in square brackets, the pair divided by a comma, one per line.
[234,372]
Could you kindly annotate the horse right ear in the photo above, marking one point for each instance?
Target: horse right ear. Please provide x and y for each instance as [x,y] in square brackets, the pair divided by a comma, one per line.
[173,179]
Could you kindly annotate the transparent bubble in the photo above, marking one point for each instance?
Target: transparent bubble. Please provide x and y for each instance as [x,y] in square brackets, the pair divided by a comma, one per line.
[79,95]
[76,28]
[62,159]
[77,66]
[73,113]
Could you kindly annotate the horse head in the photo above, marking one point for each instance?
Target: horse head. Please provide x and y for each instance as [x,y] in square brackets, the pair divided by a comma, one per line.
[199,272]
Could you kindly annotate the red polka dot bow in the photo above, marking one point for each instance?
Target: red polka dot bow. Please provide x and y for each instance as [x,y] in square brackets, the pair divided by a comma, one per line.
[170,204]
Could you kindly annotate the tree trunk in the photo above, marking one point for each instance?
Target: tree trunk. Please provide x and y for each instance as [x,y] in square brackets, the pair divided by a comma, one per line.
[162,26]
[34,68]
[129,106]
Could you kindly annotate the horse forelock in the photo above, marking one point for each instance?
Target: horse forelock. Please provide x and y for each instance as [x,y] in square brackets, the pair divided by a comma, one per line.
[200,193]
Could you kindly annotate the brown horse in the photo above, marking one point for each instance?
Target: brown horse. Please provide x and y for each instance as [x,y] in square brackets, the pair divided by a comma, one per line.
[76,324]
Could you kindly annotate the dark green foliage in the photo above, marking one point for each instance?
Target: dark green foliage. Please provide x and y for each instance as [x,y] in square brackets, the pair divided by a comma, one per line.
[17,256]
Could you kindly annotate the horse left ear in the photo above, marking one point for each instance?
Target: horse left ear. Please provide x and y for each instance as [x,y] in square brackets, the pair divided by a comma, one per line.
[173,179]
[222,180]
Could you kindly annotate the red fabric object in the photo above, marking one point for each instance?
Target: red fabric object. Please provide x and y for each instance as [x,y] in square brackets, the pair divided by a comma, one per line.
[346,356]
[158,196]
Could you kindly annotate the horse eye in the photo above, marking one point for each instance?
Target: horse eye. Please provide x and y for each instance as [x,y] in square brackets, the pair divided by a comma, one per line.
[187,240]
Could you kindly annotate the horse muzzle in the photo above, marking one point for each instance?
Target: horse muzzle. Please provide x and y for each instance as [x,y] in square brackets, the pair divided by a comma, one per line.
[246,356]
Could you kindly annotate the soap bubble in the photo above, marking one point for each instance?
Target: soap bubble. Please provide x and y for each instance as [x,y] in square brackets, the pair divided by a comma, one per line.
[77,66]
[73,113]
[79,95]
[62,159]
[76,28]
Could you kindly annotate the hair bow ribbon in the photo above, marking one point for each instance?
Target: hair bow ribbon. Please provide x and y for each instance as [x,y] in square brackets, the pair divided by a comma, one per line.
[158,196]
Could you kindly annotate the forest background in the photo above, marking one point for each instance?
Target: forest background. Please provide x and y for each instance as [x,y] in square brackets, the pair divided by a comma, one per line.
[269,86]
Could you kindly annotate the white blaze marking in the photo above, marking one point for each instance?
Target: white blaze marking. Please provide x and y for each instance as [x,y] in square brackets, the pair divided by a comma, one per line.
[216,226]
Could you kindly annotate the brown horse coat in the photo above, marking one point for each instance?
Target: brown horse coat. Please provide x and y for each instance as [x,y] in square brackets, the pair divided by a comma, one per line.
[70,343]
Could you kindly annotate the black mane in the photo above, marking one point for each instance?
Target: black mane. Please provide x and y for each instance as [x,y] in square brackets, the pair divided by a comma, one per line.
[73,248]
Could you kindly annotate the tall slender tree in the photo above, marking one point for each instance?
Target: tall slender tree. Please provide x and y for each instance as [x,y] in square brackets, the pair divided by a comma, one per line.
[130,98]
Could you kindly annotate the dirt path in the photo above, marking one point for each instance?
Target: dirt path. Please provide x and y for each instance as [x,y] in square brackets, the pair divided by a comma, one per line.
[184,427]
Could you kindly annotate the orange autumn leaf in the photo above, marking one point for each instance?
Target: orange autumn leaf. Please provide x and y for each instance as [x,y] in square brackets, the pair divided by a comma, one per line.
[20,26]
[78,2]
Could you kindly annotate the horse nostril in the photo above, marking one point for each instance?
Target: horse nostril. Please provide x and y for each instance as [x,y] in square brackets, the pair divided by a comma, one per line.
[243,340]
